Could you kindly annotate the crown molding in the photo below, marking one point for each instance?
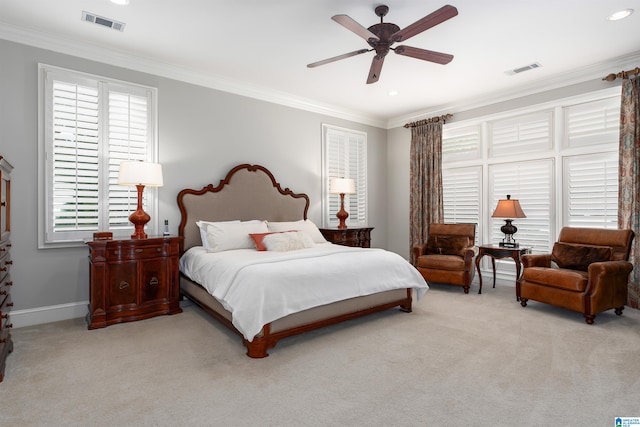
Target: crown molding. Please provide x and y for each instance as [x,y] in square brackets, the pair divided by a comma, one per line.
[591,72]
[120,59]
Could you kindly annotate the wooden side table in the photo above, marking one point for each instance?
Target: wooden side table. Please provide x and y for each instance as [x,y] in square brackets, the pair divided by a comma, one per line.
[356,237]
[499,252]
[133,279]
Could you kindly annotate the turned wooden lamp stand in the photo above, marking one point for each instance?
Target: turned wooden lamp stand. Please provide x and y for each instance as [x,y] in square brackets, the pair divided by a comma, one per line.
[140,174]
[342,186]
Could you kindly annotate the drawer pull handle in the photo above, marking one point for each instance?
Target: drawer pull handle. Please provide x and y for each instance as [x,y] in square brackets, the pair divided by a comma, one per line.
[10,325]
[154,281]
[3,249]
[10,304]
[139,250]
[10,262]
[3,268]
[5,316]
[10,283]
[124,285]
[3,292]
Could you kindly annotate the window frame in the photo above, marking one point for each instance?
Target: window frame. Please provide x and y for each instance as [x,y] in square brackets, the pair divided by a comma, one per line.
[557,151]
[350,166]
[106,176]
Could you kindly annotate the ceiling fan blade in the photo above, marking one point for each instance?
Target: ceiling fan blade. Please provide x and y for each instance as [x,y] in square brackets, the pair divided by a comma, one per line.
[425,55]
[376,68]
[431,20]
[337,58]
[351,25]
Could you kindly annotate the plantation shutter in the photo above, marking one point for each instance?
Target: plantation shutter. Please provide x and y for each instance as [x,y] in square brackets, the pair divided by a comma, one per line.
[90,126]
[74,159]
[461,143]
[591,191]
[345,157]
[520,134]
[462,192]
[592,123]
[531,182]
[128,140]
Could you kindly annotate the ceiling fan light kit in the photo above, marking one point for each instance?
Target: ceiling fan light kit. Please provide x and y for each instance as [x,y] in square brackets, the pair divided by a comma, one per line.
[382,36]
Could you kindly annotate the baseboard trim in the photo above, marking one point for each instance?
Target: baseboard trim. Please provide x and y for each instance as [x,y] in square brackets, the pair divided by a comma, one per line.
[48,314]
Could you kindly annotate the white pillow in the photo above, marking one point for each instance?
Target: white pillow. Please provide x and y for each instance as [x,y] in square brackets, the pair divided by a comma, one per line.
[233,235]
[305,225]
[287,241]
[202,225]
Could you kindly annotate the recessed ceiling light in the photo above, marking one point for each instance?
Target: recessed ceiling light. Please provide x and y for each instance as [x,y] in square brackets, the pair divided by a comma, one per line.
[120,2]
[621,14]
[393,93]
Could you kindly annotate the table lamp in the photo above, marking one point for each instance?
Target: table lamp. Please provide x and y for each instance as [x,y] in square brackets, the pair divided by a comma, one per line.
[140,174]
[508,209]
[342,186]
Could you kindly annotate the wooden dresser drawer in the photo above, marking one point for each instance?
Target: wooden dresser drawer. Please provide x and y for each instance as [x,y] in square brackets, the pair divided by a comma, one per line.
[5,308]
[137,252]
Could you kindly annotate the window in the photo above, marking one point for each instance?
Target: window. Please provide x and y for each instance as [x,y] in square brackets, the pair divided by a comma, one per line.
[344,155]
[89,124]
[559,159]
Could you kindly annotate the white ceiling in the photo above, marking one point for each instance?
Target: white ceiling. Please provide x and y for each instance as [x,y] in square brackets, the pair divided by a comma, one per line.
[261,48]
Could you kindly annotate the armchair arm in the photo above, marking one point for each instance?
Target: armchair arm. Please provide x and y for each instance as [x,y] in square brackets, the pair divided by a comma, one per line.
[537,260]
[608,280]
[418,250]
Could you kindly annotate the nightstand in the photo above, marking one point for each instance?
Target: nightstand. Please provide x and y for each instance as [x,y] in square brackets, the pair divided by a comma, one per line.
[357,237]
[133,279]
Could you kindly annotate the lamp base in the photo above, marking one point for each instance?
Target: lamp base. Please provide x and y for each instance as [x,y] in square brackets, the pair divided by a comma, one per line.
[509,244]
[139,218]
[342,214]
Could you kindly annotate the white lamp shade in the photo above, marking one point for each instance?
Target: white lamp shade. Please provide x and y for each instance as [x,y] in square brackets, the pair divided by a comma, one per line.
[342,185]
[140,173]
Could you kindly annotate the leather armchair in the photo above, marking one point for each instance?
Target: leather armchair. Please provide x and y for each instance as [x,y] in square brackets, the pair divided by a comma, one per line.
[587,272]
[447,256]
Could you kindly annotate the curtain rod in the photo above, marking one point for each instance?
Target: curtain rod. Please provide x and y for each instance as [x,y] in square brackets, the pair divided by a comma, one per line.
[622,74]
[431,120]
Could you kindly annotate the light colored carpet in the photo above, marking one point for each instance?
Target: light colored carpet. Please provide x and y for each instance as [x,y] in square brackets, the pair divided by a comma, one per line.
[457,360]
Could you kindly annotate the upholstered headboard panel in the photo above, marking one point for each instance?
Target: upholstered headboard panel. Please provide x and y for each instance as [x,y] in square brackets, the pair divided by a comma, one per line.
[248,192]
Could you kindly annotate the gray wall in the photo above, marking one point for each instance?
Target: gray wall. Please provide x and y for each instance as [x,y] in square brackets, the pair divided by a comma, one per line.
[202,134]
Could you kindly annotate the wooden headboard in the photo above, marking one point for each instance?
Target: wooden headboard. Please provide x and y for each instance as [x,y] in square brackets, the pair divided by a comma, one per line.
[247,192]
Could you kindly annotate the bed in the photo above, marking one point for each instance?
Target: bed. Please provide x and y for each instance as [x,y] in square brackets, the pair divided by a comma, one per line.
[274,278]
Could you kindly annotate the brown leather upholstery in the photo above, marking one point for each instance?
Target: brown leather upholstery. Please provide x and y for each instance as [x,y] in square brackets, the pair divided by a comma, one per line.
[447,256]
[600,287]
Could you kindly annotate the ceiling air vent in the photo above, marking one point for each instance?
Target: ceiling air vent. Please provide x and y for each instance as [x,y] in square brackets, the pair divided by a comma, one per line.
[101,20]
[523,69]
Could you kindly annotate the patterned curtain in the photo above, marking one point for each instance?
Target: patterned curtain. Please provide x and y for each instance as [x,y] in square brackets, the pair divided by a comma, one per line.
[629,179]
[425,194]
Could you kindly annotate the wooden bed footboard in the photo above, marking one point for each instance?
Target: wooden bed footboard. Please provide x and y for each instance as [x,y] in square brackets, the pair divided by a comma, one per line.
[298,323]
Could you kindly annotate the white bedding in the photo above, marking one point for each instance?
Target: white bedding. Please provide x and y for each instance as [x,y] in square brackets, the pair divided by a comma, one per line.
[258,287]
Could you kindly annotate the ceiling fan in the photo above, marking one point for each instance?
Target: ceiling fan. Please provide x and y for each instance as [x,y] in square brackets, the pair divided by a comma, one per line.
[383,35]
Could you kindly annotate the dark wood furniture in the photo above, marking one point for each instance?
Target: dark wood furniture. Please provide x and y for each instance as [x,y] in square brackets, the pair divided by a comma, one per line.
[6,344]
[356,237]
[254,193]
[133,279]
[499,252]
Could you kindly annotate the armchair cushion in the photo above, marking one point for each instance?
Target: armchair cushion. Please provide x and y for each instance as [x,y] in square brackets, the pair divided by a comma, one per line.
[441,262]
[569,280]
[579,256]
